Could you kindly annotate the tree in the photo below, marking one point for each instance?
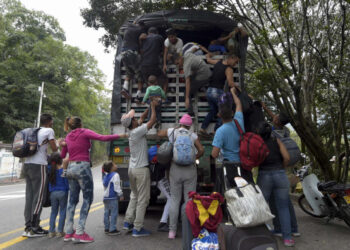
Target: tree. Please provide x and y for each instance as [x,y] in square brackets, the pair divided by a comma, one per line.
[32,51]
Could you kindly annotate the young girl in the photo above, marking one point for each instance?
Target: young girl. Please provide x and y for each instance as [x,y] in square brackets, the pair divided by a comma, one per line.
[58,187]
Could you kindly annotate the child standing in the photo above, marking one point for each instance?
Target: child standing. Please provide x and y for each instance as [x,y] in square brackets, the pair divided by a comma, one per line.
[111,183]
[154,92]
[58,187]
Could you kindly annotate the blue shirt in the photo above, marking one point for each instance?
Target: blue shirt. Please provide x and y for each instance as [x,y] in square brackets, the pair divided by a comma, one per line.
[61,183]
[227,138]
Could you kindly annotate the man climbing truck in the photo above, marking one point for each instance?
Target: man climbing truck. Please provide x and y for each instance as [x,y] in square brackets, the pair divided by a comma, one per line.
[197,26]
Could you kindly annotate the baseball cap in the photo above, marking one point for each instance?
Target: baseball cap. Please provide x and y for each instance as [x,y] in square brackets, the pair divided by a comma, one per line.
[127,118]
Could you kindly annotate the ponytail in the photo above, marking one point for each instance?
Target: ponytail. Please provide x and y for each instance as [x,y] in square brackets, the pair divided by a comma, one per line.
[72,123]
[54,160]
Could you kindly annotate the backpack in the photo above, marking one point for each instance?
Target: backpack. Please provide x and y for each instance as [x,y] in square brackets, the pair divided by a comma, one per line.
[183,152]
[25,142]
[291,145]
[252,150]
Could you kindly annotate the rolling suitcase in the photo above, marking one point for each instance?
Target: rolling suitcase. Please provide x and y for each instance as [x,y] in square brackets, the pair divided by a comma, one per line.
[252,238]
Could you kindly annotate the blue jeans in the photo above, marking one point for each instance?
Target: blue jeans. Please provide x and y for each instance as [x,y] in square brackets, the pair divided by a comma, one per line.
[81,179]
[276,221]
[276,183]
[58,202]
[213,95]
[111,214]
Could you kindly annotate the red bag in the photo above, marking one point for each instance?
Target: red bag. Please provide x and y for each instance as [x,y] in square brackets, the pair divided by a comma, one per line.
[252,150]
[204,212]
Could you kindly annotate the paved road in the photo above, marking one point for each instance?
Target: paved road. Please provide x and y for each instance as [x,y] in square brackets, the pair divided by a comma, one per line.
[316,234]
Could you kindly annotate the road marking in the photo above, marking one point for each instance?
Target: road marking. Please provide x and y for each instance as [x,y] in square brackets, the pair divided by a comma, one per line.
[43,222]
[21,238]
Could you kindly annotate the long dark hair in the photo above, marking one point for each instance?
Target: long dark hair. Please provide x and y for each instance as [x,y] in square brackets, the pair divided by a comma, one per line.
[54,160]
[264,130]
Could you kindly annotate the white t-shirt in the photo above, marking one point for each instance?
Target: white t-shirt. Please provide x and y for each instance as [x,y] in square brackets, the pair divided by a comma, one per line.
[40,157]
[174,48]
[138,147]
[194,137]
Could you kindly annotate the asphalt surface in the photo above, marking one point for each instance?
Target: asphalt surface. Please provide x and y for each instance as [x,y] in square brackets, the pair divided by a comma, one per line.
[316,233]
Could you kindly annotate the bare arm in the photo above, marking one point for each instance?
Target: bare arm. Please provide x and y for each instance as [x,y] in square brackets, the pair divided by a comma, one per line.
[162,133]
[236,100]
[203,48]
[225,38]
[210,60]
[165,56]
[142,37]
[229,77]
[199,148]
[215,152]
[153,118]
[53,145]
[284,153]
[143,116]
[268,111]
[188,89]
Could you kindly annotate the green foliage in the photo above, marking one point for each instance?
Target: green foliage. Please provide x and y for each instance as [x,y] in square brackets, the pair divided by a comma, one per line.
[31,52]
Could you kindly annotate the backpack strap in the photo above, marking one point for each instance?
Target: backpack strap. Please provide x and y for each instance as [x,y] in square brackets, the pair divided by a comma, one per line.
[238,127]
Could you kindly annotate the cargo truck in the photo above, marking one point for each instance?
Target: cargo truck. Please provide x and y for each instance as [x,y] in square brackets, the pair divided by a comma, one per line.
[191,26]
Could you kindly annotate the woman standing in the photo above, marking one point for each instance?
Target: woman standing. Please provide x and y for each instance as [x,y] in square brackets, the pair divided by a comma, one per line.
[79,172]
[272,179]
[182,178]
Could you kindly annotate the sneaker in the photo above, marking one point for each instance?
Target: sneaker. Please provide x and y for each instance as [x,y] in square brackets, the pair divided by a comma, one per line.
[126,94]
[296,234]
[60,234]
[38,232]
[141,233]
[26,232]
[106,231]
[289,243]
[82,238]
[69,237]
[172,235]
[114,232]
[52,234]
[163,227]
[276,233]
[128,226]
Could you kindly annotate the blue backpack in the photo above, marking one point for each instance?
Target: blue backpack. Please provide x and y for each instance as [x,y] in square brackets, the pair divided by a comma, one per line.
[184,152]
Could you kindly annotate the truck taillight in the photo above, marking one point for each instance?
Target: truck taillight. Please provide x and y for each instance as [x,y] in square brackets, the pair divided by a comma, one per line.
[347,192]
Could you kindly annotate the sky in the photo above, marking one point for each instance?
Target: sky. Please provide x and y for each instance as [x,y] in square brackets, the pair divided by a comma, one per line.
[67,12]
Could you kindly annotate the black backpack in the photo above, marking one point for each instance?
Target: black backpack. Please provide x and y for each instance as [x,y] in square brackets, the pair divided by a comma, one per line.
[25,142]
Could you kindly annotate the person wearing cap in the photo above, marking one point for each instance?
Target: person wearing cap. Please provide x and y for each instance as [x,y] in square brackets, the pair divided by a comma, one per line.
[172,45]
[182,178]
[139,175]
[151,49]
